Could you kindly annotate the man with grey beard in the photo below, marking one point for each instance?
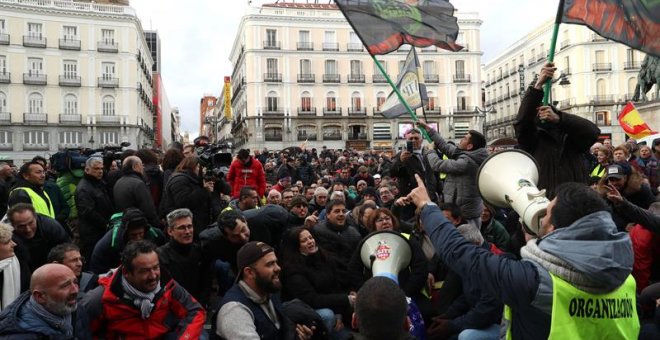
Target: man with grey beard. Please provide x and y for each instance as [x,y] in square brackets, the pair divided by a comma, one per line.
[48,310]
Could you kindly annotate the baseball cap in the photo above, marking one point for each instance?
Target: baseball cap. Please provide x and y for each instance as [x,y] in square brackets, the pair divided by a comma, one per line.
[250,253]
[616,171]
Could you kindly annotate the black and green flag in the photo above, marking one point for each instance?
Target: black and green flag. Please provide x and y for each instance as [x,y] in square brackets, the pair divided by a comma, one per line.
[384,25]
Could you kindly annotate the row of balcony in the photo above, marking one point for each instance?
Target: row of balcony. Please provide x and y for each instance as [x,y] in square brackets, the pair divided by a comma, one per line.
[335,47]
[64,118]
[39,41]
[355,78]
[277,137]
[64,80]
[358,112]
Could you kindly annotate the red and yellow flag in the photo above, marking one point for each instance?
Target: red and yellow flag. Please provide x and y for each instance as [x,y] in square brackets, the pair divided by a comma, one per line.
[633,124]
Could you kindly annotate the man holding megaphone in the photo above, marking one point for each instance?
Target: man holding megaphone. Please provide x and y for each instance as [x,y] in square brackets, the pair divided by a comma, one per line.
[573,282]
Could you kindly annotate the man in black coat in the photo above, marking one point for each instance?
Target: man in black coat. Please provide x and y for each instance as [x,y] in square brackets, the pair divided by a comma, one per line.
[35,235]
[131,191]
[94,206]
[182,259]
[557,140]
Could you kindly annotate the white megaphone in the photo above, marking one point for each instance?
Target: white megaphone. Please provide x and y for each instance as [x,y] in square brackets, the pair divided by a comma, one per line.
[386,253]
[508,179]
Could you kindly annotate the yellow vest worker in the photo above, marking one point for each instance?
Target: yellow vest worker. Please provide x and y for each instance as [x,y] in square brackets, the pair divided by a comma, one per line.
[41,206]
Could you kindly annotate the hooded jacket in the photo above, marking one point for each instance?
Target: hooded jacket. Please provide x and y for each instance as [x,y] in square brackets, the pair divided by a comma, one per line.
[113,316]
[591,245]
[17,323]
[460,186]
[107,252]
[249,174]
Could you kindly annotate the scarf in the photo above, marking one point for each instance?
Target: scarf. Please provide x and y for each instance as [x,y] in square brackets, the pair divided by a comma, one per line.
[143,301]
[559,267]
[11,283]
[62,324]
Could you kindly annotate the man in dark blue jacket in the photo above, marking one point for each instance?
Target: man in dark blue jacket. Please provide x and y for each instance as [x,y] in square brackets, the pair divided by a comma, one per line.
[49,310]
[579,260]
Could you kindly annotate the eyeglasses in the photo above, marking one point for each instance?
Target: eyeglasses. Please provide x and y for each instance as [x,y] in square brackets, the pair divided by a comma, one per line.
[383,219]
[183,227]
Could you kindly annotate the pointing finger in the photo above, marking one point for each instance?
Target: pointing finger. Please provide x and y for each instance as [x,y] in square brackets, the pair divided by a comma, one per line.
[420,182]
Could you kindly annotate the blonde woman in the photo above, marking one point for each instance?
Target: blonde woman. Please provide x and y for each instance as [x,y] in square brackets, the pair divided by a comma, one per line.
[10,269]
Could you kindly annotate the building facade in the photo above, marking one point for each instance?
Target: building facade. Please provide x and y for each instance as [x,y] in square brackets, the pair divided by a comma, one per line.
[301,75]
[72,75]
[602,76]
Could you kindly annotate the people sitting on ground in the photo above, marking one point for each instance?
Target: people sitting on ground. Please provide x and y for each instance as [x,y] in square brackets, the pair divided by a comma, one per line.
[492,230]
[133,227]
[50,310]
[334,234]
[133,302]
[69,255]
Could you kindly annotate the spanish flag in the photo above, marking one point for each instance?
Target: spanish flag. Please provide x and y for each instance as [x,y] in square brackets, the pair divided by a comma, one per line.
[633,125]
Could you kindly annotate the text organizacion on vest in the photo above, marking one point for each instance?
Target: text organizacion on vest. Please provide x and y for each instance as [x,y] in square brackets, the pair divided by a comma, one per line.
[601,308]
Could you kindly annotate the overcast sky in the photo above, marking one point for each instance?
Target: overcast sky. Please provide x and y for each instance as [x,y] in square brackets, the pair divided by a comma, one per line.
[196,38]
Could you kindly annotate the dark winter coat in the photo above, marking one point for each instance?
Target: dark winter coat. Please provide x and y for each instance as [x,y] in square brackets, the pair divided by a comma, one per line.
[186,265]
[185,190]
[339,241]
[94,210]
[58,200]
[155,182]
[131,191]
[557,148]
[405,172]
[107,252]
[16,323]
[34,251]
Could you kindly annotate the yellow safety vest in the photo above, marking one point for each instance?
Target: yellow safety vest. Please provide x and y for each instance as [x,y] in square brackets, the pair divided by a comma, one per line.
[598,171]
[580,315]
[41,206]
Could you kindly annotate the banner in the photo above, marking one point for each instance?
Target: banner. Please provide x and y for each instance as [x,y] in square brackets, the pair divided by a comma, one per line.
[633,124]
[384,25]
[632,23]
[410,84]
[227,90]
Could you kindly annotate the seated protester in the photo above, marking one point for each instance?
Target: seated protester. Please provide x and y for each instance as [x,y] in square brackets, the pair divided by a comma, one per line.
[181,259]
[630,183]
[134,227]
[11,276]
[334,234]
[319,201]
[381,311]
[474,314]
[359,216]
[49,310]
[287,196]
[318,279]
[133,302]
[68,254]
[453,213]
[221,243]
[247,199]
[492,230]
[335,195]
[386,196]
[251,309]
[34,234]
[297,211]
[412,279]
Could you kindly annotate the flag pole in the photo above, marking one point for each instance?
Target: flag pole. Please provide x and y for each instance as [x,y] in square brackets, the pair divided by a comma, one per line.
[553,44]
[400,96]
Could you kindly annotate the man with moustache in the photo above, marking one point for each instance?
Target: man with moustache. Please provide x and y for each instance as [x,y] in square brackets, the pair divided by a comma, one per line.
[49,310]
[251,309]
[133,303]
[182,259]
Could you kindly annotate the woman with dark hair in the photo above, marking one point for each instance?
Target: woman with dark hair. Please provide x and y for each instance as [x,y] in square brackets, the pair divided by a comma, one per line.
[171,159]
[187,189]
[411,279]
[318,279]
[359,216]
[152,174]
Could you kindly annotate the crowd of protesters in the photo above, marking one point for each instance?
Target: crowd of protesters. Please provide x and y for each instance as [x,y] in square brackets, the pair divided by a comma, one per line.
[156,245]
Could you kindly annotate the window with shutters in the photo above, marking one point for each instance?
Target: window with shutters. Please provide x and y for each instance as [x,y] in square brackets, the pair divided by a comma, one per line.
[70,104]
[108,106]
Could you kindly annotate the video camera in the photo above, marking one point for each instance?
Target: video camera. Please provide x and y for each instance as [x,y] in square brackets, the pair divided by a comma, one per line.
[110,153]
[212,158]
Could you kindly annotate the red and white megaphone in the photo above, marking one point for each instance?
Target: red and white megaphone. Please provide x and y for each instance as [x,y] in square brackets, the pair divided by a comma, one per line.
[386,253]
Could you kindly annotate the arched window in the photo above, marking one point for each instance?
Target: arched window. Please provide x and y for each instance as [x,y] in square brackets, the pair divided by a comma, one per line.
[356,101]
[331,101]
[305,102]
[108,106]
[70,104]
[35,103]
[380,99]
